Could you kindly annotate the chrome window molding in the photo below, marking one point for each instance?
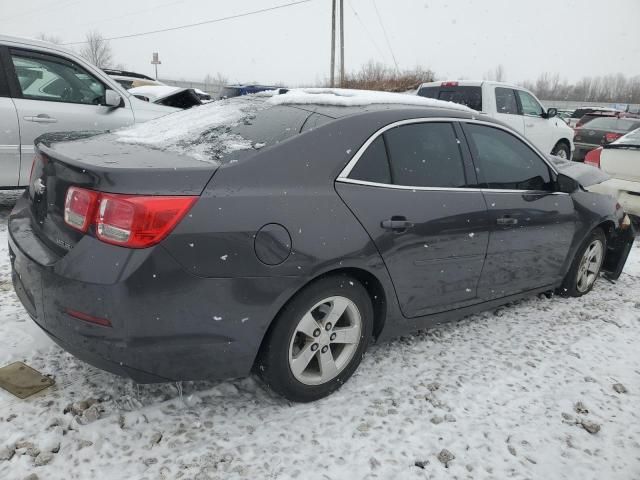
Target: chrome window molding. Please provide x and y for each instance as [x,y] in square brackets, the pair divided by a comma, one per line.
[445,189]
[344,174]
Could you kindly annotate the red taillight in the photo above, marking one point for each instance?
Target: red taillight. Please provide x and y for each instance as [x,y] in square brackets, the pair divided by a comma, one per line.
[611,137]
[133,221]
[593,157]
[449,84]
[138,222]
[79,206]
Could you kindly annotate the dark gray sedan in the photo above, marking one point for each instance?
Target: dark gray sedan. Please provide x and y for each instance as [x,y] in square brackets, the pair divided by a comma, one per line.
[282,234]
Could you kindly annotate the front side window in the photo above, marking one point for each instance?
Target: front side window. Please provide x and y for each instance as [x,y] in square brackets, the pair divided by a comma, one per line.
[56,80]
[506,101]
[505,162]
[530,105]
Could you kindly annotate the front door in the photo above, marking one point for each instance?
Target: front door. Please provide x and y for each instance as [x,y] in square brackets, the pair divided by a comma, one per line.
[57,95]
[410,192]
[532,226]
[538,129]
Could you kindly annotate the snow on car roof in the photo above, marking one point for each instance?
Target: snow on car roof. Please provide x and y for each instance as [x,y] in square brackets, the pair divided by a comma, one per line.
[357,98]
[183,131]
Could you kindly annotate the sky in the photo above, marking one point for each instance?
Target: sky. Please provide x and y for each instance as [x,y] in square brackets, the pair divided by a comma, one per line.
[454,38]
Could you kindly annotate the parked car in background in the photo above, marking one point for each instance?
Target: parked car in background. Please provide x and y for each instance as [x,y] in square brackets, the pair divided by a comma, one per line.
[176,97]
[565,115]
[130,79]
[510,104]
[282,235]
[45,88]
[601,131]
[600,114]
[231,91]
[578,113]
[621,161]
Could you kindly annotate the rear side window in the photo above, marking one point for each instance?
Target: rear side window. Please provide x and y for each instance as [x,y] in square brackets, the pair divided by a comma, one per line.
[504,162]
[506,101]
[373,165]
[425,155]
[469,96]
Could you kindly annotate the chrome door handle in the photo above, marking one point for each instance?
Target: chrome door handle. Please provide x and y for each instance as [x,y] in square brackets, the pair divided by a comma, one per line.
[507,220]
[41,118]
[396,223]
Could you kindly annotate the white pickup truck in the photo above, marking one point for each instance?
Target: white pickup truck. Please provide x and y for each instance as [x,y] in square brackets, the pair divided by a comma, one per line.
[512,105]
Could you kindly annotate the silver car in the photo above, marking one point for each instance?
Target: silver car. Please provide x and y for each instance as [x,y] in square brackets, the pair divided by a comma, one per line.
[46,88]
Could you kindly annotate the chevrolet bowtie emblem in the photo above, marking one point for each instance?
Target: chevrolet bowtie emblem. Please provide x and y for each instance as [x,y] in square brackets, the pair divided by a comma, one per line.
[39,187]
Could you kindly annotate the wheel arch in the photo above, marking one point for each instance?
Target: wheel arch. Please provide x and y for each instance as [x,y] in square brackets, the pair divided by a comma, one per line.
[566,143]
[369,281]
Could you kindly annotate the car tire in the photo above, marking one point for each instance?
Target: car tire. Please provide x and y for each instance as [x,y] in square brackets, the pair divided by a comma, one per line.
[562,150]
[586,266]
[312,329]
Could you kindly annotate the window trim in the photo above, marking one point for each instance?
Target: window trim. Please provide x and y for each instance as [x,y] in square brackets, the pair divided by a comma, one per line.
[343,176]
[47,56]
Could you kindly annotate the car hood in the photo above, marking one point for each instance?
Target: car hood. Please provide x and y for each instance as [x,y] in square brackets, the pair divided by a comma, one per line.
[585,175]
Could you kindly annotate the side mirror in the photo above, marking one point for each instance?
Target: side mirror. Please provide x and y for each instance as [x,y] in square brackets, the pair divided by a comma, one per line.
[112,99]
[566,184]
[552,112]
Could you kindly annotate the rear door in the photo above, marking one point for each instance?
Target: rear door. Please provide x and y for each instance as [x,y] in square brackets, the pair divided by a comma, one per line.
[532,226]
[507,110]
[412,190]
[54,94]
[9,136]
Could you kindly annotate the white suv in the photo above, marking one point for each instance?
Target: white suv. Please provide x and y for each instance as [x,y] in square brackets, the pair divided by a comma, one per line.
[512,105]
[45,88]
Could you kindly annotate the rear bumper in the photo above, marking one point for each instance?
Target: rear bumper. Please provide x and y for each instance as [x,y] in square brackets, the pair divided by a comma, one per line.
[166,324]
[582,149]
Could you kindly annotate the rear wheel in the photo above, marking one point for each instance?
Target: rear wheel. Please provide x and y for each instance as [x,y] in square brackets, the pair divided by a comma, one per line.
[586,265]
[561,150]
[318,340]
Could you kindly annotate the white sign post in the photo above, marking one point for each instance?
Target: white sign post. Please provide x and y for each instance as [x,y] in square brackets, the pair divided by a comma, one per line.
[155,62]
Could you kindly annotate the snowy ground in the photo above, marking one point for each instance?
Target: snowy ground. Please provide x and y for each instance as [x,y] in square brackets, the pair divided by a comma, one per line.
[499,390]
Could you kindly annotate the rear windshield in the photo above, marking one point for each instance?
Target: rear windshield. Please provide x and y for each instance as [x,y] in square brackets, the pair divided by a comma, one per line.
[213,131]
[615,124]
[469,96]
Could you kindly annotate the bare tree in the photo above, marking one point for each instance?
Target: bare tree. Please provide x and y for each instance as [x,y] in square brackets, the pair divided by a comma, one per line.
[97,50]
[377,76]
[496,75]
[49,38]
[615,88]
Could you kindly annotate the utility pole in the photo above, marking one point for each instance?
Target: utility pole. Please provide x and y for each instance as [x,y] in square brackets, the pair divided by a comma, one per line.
[341,43]
[333,43]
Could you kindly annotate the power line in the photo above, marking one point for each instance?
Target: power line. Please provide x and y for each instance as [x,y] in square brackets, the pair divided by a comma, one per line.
[190,25]
[36,11]
[384,30]
[366,30]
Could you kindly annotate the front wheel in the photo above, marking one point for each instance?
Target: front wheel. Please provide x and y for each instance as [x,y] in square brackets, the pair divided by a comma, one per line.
[561,150]
[586,265]
[318,340]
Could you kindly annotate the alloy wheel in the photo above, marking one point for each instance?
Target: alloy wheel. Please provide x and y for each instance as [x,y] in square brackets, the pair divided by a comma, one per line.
[325,340]
[590,266]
